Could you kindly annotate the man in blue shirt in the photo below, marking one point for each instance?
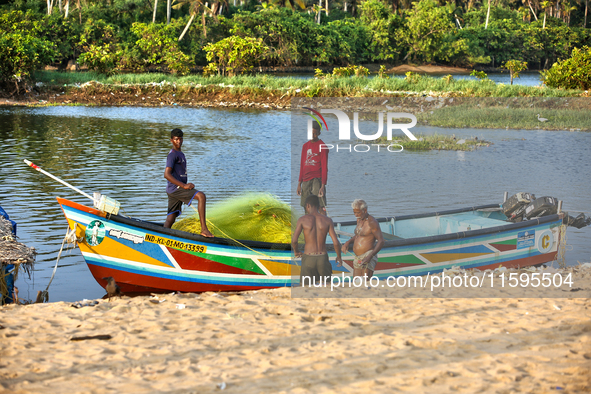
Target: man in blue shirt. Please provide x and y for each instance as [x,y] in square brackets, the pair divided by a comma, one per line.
[178,189]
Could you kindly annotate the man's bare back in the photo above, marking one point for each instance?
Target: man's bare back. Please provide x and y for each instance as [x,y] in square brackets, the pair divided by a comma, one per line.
[316,267]
[315,228]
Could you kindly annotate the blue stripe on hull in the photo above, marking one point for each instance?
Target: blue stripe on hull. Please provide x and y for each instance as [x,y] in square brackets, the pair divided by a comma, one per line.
[181,276]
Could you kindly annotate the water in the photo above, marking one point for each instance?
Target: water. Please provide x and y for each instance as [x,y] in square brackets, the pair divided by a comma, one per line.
[525,79]
[121,152]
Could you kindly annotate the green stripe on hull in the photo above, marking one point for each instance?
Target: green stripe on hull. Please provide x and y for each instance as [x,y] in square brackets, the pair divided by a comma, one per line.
[405,259]
[238,262]
[507,242]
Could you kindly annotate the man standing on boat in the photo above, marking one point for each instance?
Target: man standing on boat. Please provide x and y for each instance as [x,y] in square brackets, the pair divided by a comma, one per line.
[316,268]
[367,241]
[178,189]
[313,169]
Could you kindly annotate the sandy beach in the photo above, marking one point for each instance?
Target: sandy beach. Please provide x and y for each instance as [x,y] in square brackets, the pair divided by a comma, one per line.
[270,342]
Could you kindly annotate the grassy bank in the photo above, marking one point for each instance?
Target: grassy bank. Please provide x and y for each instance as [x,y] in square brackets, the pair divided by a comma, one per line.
[437,142]
[434,101]
[328,87]
[511,118]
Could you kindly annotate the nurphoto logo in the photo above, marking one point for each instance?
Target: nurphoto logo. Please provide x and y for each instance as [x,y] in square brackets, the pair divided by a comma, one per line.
[344,131]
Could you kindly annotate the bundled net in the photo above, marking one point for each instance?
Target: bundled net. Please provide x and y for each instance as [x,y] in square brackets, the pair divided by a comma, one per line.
[252,217]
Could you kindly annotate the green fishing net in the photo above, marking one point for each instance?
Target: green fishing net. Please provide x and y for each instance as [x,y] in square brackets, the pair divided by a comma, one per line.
[252,217]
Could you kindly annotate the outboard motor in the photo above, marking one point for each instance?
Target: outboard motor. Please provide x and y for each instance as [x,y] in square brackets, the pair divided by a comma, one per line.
[578,222]
[515,206]
[542,206]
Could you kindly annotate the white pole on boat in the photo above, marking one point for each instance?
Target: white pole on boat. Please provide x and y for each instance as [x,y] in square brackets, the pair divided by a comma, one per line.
[27,162]
[505,196]
[559,206]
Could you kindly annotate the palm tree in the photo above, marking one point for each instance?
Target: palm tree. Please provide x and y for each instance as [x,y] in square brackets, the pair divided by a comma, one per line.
[545,5]
[197,6]
[487,15]
[168,10]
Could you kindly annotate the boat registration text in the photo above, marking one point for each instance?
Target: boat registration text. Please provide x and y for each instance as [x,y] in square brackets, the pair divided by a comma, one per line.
[175,244]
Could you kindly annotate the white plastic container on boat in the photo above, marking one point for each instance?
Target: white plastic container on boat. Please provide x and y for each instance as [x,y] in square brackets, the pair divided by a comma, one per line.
[106,204]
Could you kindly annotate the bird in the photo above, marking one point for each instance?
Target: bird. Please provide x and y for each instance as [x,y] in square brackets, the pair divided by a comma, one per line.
[112,287]
[541,119]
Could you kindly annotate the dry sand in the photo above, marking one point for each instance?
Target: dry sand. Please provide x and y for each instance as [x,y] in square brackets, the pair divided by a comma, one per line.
[268,342]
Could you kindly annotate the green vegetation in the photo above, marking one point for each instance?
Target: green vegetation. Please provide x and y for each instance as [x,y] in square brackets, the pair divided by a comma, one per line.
[319,87]
[515,67]
[22,48]
[131,36]
[234,56]
[572,73]
[503,115]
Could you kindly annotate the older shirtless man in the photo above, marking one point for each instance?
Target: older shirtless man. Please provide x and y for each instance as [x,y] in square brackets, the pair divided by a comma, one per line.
[367,242]
[316,266]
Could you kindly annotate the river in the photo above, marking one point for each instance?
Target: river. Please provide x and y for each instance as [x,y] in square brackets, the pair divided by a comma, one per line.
[121,152]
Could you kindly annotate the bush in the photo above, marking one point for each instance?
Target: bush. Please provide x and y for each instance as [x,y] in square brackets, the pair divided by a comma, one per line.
[234,55]
[515,67]
[427,33]
[101,51]
[158,45]
[572,73]
[102,58]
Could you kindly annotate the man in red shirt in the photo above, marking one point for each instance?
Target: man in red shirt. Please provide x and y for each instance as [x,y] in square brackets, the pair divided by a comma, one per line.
[313,169]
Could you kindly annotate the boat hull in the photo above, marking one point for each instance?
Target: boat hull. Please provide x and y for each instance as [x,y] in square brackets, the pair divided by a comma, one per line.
[145,257]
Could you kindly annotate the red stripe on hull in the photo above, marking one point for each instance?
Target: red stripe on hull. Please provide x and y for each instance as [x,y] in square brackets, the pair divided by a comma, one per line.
[503,247]
[191,262]
[389,266]
[136,283]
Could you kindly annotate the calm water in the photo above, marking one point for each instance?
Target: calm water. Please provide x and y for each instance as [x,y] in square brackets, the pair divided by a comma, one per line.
[121,151]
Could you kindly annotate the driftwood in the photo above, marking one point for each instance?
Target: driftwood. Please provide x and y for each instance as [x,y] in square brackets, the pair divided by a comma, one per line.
[101,337]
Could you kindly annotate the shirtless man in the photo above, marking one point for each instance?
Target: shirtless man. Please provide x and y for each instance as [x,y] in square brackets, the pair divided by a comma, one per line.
[367,242]
[316,266]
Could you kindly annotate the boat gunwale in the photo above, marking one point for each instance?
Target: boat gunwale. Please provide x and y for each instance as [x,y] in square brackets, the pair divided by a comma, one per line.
[146,225]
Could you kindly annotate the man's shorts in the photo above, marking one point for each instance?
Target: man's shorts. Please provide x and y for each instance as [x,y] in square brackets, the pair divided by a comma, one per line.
[315,267]
[312,187]
[178,197]
[371,265]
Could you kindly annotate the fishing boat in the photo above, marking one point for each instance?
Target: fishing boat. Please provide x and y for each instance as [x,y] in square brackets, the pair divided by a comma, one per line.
[144,256]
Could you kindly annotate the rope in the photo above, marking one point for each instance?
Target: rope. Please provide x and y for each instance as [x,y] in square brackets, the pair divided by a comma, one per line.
[71,239]
[561,247]
[235,240]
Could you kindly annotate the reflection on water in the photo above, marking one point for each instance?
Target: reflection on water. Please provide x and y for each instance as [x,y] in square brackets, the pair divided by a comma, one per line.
[121,152]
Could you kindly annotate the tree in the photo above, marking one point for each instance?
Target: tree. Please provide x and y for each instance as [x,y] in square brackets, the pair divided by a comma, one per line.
[515,67]
[427,33]
[234,55]
[22,48]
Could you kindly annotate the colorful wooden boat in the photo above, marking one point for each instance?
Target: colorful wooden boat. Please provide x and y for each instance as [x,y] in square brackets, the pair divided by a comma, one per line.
[146,257]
